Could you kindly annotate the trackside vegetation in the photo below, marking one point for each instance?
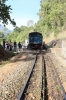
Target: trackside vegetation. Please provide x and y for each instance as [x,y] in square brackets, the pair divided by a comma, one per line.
[52,20]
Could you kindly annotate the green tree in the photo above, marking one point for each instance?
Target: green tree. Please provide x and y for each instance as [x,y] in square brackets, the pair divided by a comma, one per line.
[52,16]
[5,11]
[17,29]
[1,35]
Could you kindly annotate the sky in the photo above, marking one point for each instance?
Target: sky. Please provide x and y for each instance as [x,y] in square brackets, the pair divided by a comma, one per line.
[23,11]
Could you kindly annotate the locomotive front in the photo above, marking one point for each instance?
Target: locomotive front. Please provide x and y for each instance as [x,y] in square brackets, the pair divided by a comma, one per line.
[35,40]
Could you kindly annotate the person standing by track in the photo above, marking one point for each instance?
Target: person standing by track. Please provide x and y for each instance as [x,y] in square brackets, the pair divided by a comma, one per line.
[19,46]
[15,45]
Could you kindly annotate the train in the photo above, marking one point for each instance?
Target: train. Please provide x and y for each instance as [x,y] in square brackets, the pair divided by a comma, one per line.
[35,40]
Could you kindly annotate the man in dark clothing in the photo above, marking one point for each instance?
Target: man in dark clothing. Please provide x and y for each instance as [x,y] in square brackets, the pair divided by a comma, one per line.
[15,45]
[4,43]
[19,45]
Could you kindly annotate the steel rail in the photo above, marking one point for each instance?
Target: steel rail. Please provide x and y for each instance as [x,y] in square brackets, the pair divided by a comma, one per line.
[62,88]
[44,92]
[43,79]
[21,94]
[63,91]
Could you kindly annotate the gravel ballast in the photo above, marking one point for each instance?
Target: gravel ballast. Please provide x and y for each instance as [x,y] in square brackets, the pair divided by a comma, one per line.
[13,80]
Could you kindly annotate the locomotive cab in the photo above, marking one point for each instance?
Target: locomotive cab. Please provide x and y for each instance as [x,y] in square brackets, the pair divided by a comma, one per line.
[35,40]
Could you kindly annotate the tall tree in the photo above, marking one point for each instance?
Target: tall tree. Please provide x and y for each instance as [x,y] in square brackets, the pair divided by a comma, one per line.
[5,11]
[52,14]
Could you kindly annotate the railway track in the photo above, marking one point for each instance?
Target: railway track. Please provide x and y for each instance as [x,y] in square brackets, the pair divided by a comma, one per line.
[44,92]
[51,87]
[43,81]
[32,75]
[22,93]
[26,93]
[55,88]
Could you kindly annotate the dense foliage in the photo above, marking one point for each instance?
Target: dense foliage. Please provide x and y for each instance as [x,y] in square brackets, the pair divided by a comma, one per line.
[19,34]
[52,16]
[52,19]
[5,11]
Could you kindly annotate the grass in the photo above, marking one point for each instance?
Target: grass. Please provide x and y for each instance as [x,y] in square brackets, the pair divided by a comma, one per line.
[4,63]
[51,37]
[14,53]
[8,60]
[58,88]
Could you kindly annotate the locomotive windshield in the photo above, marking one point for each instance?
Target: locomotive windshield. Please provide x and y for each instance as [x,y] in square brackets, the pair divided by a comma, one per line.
[36,39]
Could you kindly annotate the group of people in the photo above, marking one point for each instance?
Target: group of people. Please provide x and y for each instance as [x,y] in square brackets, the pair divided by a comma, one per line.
[12,45]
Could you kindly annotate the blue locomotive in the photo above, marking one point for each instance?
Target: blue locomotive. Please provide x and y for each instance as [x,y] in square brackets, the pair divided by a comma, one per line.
[35,40]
